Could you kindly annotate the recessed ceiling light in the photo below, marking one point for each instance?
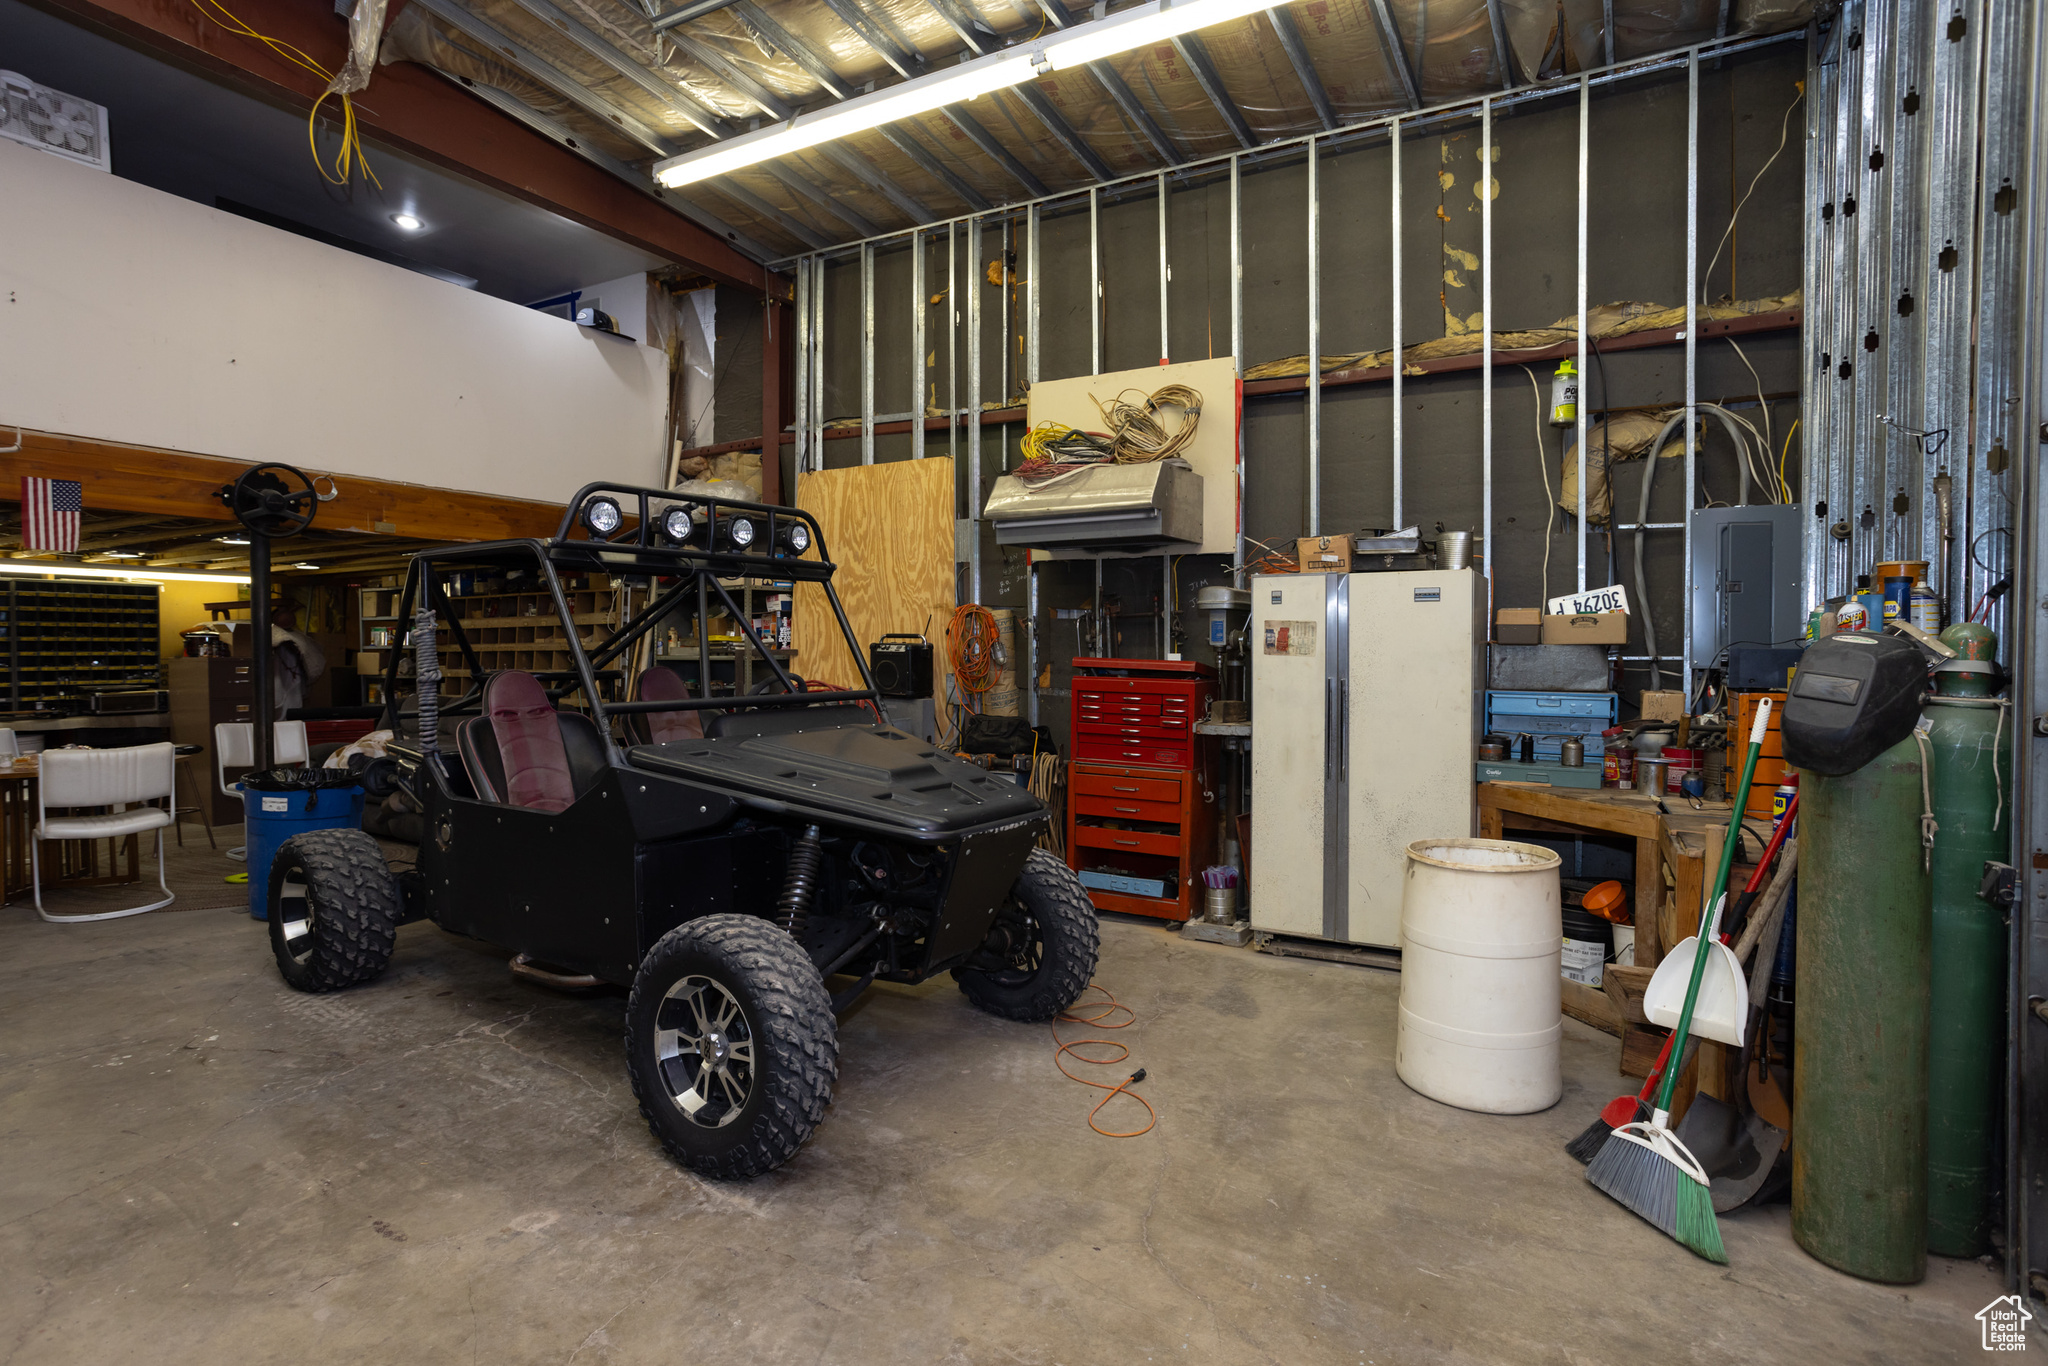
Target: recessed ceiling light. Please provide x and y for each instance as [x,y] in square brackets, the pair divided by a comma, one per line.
[407,221]
[303,565]
[232,540]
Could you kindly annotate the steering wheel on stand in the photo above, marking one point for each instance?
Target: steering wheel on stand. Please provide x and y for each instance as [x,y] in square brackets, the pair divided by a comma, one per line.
[272,500]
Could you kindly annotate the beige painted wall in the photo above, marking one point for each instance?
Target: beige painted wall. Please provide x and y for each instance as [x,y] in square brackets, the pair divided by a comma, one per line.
[131,315]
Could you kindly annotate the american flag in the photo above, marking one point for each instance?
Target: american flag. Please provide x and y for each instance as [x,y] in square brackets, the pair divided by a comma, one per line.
[49,514]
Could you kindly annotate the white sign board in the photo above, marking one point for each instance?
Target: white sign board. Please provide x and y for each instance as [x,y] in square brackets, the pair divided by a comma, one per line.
[1613,599]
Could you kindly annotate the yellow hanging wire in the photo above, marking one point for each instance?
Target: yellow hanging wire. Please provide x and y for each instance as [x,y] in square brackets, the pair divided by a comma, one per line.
[351,150]
[1782,453]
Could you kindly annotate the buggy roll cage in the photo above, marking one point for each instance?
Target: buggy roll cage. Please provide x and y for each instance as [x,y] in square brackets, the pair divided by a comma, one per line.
[639,548]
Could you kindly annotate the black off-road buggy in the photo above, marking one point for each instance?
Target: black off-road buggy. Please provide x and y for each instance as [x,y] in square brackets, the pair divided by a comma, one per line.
[721,856]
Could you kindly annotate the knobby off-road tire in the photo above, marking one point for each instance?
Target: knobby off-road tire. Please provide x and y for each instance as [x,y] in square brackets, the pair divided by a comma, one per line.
[731,1045]
[334,907]
[1058,958]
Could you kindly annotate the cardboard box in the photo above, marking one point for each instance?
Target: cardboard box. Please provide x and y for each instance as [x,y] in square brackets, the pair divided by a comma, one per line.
[1518,626]
[1587,628]
[1667,705]
[1324,554]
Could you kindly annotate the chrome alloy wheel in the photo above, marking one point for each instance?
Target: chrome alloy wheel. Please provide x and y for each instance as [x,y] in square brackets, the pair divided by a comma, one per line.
[294,911]
[704,1049]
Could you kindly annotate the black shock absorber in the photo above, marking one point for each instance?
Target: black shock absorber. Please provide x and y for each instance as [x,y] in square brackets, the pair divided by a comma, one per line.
[793,907]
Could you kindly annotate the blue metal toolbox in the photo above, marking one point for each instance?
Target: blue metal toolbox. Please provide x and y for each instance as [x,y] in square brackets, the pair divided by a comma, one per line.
[1551,716]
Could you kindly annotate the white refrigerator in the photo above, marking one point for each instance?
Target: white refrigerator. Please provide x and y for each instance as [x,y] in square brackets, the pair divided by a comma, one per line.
[1366,708]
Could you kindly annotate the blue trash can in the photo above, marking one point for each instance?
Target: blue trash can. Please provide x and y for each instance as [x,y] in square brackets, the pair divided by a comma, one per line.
[284,802]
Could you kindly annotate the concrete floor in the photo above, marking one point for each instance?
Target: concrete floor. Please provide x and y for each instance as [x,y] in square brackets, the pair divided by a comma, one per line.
[447,1165]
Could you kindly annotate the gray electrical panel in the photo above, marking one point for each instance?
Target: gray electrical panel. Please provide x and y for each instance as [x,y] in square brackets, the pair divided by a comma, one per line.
[1745,578]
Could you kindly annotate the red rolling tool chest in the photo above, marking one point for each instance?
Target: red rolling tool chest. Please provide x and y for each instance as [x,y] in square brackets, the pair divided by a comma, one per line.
[1141,806]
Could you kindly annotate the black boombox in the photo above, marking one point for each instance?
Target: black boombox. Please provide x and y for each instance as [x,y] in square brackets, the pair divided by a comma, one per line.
[902,665]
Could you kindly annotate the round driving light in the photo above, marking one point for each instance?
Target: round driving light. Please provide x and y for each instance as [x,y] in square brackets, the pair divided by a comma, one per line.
[602,516]
[740,532]
[677,524]
[797,538]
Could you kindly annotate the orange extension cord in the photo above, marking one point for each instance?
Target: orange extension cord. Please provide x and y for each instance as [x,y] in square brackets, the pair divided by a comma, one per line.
[971,647]
[1063,1047]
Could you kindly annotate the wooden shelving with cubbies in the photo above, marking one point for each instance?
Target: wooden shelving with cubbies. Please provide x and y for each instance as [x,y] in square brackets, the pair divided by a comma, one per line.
[63,638]
[508,630]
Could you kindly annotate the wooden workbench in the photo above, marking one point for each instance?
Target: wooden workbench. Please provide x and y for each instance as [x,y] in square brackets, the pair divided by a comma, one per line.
[1672,849]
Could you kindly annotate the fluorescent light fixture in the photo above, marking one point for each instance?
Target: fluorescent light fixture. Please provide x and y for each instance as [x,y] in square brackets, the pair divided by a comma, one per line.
[232,540]
[123,554]
[303,565]
[407,221]
[1154,22]
[15,568]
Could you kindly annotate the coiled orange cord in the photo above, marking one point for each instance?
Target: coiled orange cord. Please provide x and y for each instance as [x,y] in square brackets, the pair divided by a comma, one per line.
[1100,1019]
[971,647]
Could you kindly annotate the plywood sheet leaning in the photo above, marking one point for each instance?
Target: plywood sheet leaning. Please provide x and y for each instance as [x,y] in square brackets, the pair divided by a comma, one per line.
[889,529]
[1213,452]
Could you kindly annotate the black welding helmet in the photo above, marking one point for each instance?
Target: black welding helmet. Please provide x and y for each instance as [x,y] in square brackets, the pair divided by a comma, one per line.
[1856,694]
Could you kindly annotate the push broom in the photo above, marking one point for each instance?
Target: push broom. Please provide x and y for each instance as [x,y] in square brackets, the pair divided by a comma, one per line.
[1643,1165]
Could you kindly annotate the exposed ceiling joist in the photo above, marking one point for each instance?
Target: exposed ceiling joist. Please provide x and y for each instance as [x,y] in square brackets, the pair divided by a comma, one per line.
[1305,70]
[1503,52]
[505,49]
[864,171]
[683,14]
[996,152]
[1035,99]
[980,39]
[561,136]
[734,74]
[785,42]
[1191,51]
[1127,101]
[1397,55]
[860,225]
[789,223]
[904,60]
[903,140]
[704,120]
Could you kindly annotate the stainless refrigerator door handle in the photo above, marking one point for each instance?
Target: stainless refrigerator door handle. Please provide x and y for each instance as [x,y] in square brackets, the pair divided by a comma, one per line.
[1343,729]
[1329,726]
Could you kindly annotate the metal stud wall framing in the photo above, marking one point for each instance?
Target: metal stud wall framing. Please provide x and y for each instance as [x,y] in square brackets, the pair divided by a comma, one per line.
[1479,113]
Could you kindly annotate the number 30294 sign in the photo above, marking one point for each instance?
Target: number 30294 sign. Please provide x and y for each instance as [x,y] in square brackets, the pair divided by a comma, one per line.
[1613,599]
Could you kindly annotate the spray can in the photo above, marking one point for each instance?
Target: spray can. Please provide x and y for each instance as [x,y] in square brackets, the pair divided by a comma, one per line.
[1898,599]
[1564,395]
[1851,616]
[1926,609]
[1781,797]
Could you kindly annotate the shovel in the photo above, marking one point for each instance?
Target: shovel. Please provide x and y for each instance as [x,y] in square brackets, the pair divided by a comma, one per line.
[1722,1008]
[1737,1147]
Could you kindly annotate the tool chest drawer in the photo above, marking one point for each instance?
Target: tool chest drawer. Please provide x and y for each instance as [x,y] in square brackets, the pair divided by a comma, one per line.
[1134,752]
[1097,781]
[1128,809]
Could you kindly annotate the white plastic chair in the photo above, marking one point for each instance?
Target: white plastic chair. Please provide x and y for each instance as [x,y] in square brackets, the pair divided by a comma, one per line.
[10,748]
[234,746]
[103,777]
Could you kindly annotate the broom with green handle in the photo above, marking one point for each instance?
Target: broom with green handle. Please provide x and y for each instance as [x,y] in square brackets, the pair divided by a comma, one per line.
[1643,1165]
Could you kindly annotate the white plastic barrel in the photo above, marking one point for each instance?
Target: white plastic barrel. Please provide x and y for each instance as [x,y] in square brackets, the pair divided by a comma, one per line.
[1481,931]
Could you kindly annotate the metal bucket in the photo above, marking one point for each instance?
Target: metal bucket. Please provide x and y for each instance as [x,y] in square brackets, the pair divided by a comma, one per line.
[1219,905]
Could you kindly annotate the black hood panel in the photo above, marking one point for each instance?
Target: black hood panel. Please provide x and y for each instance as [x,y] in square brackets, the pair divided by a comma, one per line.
[874,776]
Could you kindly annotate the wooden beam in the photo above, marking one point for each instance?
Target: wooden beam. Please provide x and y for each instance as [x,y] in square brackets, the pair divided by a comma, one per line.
[121,478]
[409,107]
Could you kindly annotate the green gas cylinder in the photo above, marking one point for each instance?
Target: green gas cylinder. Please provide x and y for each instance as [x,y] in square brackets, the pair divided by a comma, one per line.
[1966,1040]
[1859,1108]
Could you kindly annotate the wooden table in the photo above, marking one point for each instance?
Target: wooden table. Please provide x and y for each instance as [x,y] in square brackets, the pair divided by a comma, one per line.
[1673,838]
[76,862]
